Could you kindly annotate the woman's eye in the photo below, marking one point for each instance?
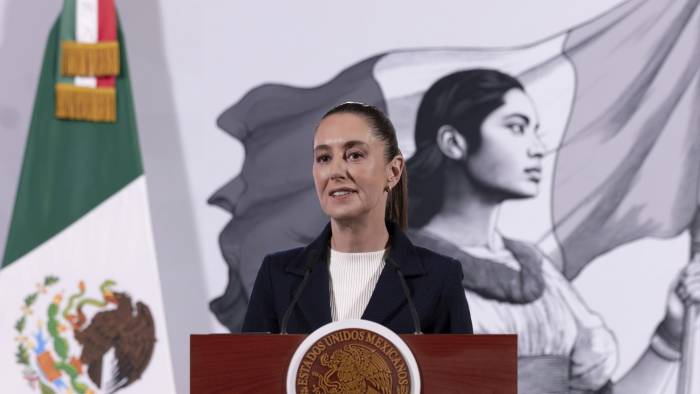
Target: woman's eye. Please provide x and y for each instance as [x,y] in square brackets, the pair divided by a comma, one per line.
[354,155]
[517,128]
[322,158]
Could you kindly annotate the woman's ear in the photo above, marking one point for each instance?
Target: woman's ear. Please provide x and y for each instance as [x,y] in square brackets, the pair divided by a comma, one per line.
[451,143]
[394,169]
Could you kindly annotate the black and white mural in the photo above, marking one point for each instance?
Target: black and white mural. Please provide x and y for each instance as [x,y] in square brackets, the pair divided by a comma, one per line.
[531,165]
[552,149]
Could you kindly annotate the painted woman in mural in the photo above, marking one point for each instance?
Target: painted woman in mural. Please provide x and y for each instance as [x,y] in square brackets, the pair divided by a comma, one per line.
[477,146]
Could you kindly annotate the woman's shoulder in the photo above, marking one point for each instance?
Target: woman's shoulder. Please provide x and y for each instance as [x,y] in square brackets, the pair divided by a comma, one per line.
[289,259]
[490,277]
[438,266]
[284,255]
[431,247]
[439,260]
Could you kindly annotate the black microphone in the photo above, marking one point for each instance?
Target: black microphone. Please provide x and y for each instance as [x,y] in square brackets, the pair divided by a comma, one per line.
[313,254]
[404,286]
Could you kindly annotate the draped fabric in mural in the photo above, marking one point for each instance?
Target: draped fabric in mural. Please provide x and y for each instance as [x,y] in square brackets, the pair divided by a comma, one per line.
[616,159]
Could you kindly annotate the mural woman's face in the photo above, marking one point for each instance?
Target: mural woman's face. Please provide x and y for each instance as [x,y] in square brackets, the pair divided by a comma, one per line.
[509,160]
[350,170]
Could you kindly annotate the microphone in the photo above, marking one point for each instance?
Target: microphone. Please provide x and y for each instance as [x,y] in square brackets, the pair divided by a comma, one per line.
[404,286]
[313,255]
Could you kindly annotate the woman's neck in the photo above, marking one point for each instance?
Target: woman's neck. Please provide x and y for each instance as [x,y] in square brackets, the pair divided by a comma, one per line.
[468,216]
[358,235]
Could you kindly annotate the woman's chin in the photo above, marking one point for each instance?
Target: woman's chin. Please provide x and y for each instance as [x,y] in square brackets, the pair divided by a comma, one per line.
[515,192]
[525,192]
[342,213]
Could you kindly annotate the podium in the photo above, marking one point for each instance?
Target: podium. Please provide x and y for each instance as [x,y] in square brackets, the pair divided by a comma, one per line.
[448,363]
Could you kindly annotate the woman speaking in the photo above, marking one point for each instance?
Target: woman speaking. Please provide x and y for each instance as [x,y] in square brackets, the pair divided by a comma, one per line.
[362,265]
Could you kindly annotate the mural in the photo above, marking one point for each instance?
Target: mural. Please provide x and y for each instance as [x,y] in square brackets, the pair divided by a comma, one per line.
[594,133]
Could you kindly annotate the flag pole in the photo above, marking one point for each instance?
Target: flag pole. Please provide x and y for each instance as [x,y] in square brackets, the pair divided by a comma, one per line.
[690,317]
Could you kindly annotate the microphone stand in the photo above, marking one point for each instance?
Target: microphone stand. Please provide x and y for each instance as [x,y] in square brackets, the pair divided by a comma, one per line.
[313,257]
[407,294]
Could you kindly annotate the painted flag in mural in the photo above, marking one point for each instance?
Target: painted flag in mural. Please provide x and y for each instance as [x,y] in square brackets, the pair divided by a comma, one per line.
[81,309]
[629,162]
[615,98]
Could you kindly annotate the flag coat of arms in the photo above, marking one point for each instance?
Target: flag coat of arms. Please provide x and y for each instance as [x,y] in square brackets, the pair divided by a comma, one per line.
[81,308]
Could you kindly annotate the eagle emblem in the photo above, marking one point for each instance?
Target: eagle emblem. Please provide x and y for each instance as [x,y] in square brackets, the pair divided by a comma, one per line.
[81,341]
[353,369]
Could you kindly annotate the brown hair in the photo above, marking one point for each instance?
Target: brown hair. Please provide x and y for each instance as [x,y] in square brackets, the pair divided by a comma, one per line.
[397,201]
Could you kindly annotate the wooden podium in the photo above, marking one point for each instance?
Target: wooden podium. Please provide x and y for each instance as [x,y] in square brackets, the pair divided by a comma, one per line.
[257,363]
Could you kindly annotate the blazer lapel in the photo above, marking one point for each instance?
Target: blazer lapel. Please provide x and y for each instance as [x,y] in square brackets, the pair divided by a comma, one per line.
[386,298]
[314,302]
[388,295]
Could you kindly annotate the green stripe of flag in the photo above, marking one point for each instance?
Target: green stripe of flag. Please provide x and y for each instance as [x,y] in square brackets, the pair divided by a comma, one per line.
[66,32]
[70,167]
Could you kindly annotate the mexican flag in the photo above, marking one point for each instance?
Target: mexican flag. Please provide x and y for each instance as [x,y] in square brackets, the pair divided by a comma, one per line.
[81,308]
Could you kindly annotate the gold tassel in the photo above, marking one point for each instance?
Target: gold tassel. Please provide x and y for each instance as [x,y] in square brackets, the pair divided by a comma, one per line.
[88,60]
[89,104]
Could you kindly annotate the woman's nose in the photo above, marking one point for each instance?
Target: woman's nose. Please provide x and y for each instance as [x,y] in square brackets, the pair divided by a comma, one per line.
[537,148]
[338,168]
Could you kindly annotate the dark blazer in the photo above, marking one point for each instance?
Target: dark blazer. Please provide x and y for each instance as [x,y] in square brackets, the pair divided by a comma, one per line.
[434,281]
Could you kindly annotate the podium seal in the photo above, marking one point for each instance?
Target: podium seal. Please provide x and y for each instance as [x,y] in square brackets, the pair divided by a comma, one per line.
[353,356]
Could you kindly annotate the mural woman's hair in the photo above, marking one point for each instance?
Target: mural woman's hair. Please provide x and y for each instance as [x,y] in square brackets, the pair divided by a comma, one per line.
[462,100]
[383,129]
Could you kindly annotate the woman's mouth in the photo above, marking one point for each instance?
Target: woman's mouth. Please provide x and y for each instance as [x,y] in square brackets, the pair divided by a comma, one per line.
[341,194]
[534,174]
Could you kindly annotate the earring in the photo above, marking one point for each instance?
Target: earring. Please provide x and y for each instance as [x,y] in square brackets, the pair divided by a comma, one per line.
[387,188]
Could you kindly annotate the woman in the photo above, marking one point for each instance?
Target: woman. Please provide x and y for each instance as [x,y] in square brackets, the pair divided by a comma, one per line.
[355,268]
[476,147]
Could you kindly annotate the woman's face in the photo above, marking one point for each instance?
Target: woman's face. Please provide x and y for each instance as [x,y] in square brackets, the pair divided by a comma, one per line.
[509,160]
[350,170]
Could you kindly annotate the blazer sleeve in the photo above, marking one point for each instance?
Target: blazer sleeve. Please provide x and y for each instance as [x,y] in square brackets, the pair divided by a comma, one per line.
[457,319]
[261,316]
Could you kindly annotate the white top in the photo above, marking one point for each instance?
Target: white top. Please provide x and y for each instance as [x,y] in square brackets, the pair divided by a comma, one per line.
[558,323]
[353,277]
